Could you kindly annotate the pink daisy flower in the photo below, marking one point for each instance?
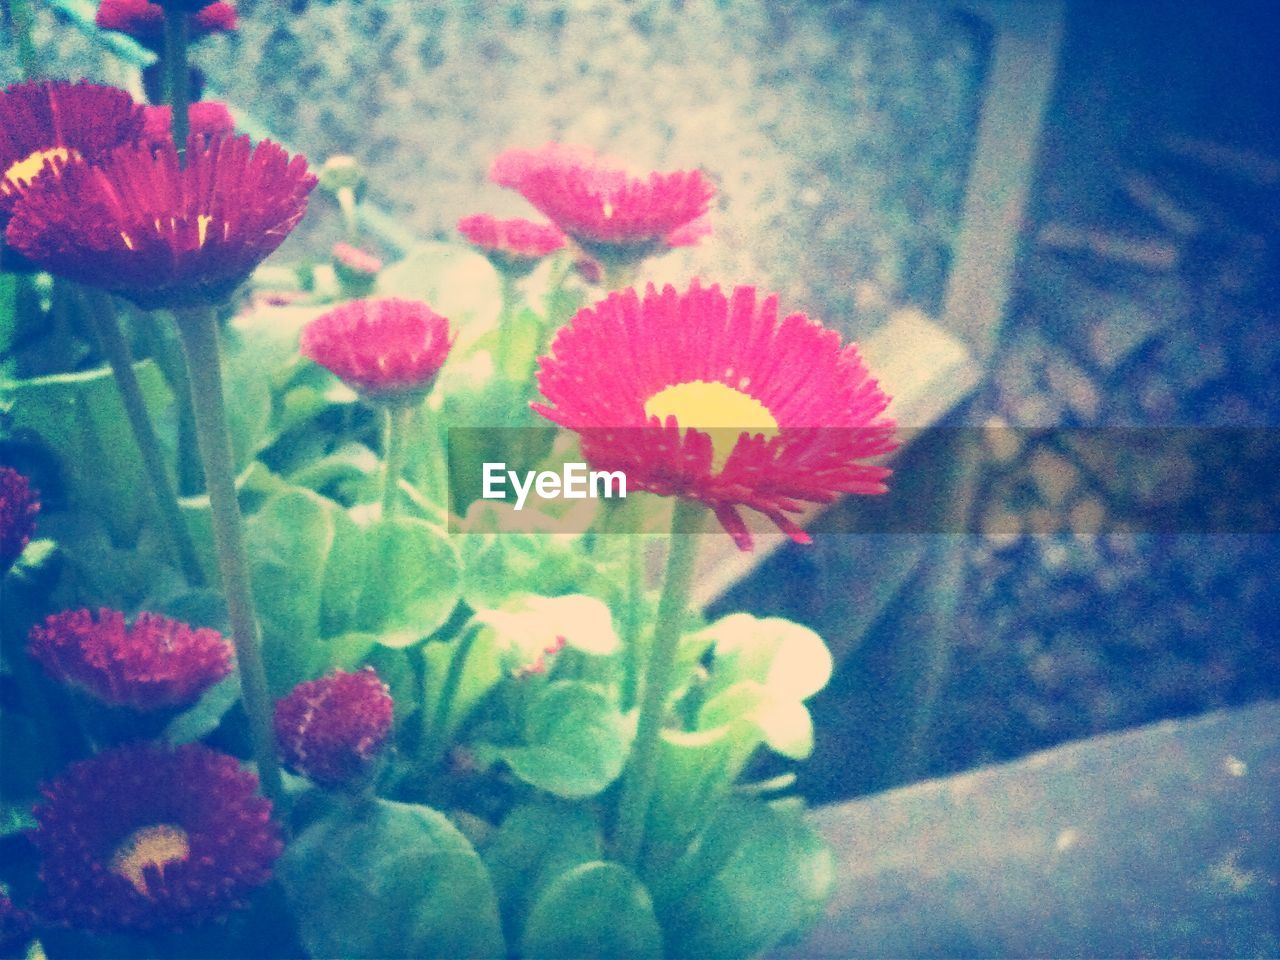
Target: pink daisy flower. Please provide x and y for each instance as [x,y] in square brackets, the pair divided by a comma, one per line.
[614,216]
[513,246]
[387,350]
[720,400]
[159,234]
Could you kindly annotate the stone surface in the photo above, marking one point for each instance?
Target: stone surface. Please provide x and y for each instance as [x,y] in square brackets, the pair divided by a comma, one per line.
[1159,842]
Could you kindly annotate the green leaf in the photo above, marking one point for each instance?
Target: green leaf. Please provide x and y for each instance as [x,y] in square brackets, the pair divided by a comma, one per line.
[289,541]
[458,283]
[535,844]
[784,724]
[413,581]
[594,910]
[498,566]
[696,770]
[246,392]
[81,417]
[346,570]
[577,742]
[771,887]
[390,880]
[203,718]
[791,660]
[480,674]
[352,464]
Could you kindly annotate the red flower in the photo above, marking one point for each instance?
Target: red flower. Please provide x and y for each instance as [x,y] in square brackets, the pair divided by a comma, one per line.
[147,836]
[717,399]
[154,664]
[207,119]
[356,260]
[163,236]
[385,349]
[332,729]
[144,21]
[45,124]
[611,214]
[513,246]
[19,505]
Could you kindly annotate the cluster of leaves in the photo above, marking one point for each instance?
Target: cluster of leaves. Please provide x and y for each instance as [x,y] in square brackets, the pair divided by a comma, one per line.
[488,833]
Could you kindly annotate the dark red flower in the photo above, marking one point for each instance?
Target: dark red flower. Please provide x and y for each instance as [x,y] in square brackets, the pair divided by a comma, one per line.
[513,246]
[147,836]
[163,236]
[144,20]
[332,729]
[385,349]
[153,664]
[19,505]
[614,216]
[45,124]
[207,119]
[716,399]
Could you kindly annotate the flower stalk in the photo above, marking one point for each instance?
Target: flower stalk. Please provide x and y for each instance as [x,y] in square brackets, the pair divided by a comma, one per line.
[638,783]
[114,346]
[175,61]
[198,327]
[396,422]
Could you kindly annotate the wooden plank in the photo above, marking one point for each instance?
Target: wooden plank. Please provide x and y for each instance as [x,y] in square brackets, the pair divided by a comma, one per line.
[1023,64]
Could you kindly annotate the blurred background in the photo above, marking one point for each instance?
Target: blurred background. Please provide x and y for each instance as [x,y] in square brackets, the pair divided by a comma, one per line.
[842,136]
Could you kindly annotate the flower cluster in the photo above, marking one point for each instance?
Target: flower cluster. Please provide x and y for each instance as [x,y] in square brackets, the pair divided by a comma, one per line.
[18,508]
[148,836]
[512,246]
[154,663]
[332,729]
[718,399]
[163,235]
[388,350]
[612,215]
[144,21]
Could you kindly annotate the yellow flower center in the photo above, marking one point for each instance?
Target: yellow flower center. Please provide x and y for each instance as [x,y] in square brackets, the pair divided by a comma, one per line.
[155,846]
[27,169]
[716,409]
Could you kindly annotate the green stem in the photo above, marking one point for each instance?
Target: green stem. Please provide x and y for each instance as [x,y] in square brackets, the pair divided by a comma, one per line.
[633,610]
[510,299]
[114,346]
[434,734]
[198,327]
[395,426]
[175,62]
[350,214]
[637,786]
